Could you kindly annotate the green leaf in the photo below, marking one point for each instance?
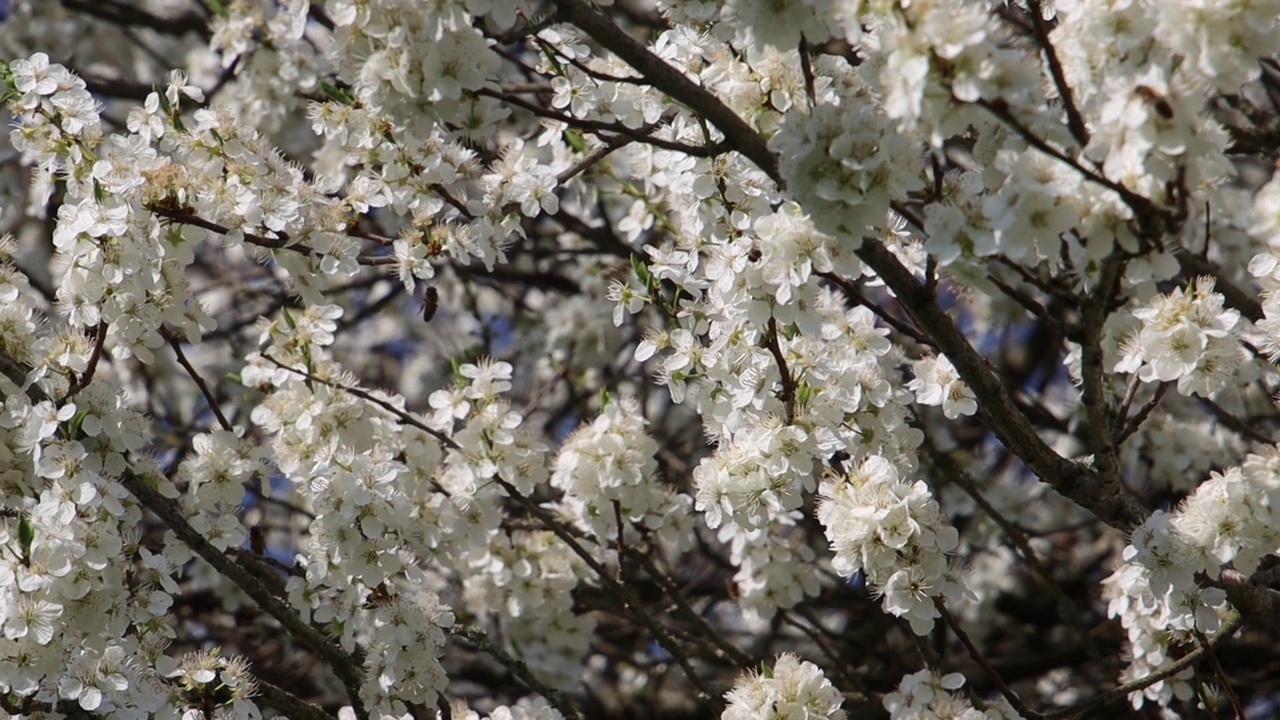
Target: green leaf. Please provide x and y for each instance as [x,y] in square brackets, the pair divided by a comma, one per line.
[605,399]
[164,99]
[337,94]
[641,270]
[288,319]
[76,422]
[26,535]
[804,393]
[575,140]
[6,76]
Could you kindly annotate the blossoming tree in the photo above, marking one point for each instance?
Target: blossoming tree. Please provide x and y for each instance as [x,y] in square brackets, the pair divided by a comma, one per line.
[682,359]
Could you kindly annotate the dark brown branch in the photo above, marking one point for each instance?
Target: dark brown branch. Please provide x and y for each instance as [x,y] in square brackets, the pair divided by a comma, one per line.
[99,339]
[288,703]
[996,409]
[638,135]
[1228,629]
[342,664]
[741,136]
[976,655]
[1097,407]
[788,393]
[127,14]
[1075,121]
[199,381]
[518,668]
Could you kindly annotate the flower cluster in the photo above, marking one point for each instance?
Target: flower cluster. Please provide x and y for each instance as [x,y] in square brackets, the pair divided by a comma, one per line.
[731,193]
[925,695]
[1143,614]
[59,128]
[1228,521]
[527,580]
[895,533]
[843,163]
[120,269]
[791,688]
[525,709]
[606,471]
[206,680]
[937,383]
[67,591]
[1187,337]
[777,568]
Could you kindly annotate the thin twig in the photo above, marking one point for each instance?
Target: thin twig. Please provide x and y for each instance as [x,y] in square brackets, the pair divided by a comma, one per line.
[851,291]
[477,637]
[1229,628]
[1075,121]
[403,416]
[200,383]
[1144,412]
[1068,609]
[1029,304]
[1234,699]
[610,144]
[977,657]
[291,705]
[99,340]
[342,663]
[624,594]
[669,586]
[788,392]
[1225,417]
[1130,392]
[741,136]
[597,126]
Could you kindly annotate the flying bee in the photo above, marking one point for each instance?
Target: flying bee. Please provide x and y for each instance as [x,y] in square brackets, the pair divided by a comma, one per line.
[1157,101]
[430,303]
[257,541]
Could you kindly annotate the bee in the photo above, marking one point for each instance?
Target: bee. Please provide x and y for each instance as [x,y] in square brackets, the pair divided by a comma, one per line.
[1155,100]
[430,303]
[378,597]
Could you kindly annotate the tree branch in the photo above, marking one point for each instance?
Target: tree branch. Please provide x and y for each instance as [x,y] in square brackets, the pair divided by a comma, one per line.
[1228,629]
[741,136]
[996,408]
[518,668]
[343,664]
